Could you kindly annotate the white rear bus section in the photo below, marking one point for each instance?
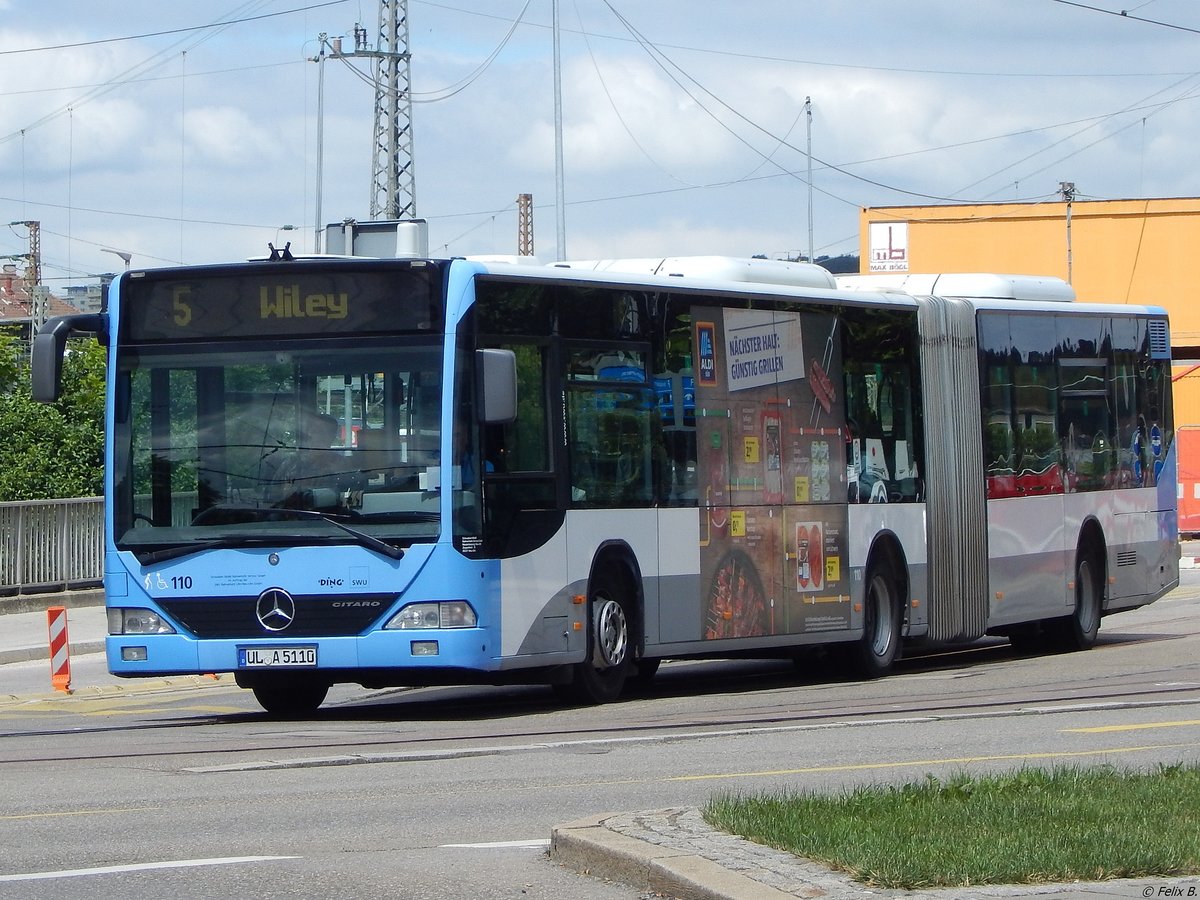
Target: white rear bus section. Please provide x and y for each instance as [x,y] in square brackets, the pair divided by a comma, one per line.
[1032,542]
[1032,545]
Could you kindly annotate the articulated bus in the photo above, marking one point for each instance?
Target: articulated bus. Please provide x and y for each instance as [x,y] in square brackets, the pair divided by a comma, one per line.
[417,471]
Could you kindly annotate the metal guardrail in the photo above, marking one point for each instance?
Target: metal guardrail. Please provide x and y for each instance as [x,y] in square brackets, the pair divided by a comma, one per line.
[51,545]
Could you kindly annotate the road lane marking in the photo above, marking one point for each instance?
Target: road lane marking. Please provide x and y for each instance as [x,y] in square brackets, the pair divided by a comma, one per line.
[131,693]
[1102,729]
[499,845]
[48,715]
[142,867]
[78,812]
[151,710]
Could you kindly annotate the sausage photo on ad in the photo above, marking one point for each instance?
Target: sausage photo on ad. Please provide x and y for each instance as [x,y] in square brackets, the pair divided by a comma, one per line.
[822,387]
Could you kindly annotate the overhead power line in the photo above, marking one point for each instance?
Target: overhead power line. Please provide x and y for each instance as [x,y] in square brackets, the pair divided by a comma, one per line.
[149,64]
[153,34]
[667,64]
[860,66]
[174,76]
[1124,14]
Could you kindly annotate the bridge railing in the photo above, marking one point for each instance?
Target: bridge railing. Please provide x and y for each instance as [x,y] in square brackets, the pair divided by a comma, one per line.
[51,545]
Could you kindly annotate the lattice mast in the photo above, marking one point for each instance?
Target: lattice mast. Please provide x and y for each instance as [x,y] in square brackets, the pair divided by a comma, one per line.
[37,296]
[33,266]
[525,224]
[393,185]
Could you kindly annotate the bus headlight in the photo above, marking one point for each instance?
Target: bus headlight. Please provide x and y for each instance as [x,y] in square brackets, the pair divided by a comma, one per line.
[442,614]
[137,621]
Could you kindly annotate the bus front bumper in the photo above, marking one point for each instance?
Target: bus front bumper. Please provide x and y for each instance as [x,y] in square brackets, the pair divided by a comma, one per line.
[141,656]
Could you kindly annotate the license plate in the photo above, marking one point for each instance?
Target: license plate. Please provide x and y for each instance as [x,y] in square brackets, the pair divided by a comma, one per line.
[276,657]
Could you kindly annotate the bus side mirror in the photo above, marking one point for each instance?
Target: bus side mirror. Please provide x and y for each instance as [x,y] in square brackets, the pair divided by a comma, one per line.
[49,346]
[496,371]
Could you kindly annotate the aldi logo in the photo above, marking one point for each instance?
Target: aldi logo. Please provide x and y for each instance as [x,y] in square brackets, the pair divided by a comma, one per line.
[706,353]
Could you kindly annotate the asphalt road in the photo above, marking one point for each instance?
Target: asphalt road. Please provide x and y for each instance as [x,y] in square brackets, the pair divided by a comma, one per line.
[186,790]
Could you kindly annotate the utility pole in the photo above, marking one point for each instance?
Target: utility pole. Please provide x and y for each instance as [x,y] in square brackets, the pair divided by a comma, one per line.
[319,59]
[560,201]
[808,153]
[1067,188]
[525,224]
[393,185]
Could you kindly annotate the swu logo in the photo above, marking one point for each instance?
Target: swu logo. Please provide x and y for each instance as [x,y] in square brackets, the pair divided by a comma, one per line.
[330,582]
[285,302]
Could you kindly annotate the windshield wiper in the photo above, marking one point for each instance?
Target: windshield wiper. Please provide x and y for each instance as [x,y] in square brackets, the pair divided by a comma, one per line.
[147,557]
[366,540]
[369,541]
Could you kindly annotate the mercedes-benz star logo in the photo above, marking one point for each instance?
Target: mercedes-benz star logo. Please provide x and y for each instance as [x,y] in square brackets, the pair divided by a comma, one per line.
[275,609]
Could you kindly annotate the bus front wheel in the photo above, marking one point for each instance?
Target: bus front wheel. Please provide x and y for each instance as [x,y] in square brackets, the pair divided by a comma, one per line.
[875,652]
[1078,631]
[288,698]
[600,678]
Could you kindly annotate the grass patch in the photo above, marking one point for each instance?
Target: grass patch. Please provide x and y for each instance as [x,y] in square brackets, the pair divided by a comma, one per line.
[1025,827]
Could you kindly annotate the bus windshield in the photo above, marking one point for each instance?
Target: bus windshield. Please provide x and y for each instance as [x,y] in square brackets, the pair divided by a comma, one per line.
[278,442]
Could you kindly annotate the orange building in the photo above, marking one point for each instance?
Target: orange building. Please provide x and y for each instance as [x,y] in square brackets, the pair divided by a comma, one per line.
[1111,251]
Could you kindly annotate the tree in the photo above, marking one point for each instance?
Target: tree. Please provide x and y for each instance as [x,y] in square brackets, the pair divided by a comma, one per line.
[52,450]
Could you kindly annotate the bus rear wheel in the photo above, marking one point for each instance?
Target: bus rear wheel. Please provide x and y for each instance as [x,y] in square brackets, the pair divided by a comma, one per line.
[1079,630]
[874,653]
[289,698]
[600,678]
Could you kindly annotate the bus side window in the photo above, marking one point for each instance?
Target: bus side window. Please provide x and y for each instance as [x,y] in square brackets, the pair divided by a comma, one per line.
[609,447]
[519,487]
[884,436]
[523,444]
[673,429]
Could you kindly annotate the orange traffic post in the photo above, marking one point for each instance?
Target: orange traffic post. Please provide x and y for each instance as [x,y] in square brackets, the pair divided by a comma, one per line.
[60,649]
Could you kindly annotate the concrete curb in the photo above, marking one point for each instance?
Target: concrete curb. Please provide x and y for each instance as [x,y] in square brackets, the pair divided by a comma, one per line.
[589,847]
[673,852]
[32,654]
[27,603]
[28,644]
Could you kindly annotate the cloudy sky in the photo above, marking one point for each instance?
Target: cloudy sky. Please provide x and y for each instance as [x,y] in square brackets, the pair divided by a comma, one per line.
[187,131]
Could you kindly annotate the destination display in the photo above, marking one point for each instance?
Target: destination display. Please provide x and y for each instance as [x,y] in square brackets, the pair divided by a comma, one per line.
[289,301]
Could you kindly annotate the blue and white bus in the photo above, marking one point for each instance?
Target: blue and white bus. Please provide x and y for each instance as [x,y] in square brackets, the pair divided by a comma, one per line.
[570,473]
